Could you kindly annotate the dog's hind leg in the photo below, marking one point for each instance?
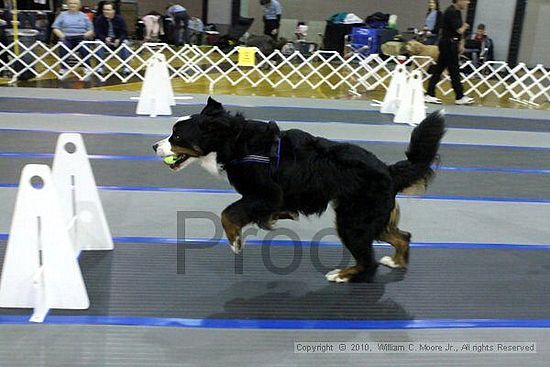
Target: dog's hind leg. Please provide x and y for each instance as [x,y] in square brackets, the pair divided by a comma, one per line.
[358,226]
[398,239]
[359,243]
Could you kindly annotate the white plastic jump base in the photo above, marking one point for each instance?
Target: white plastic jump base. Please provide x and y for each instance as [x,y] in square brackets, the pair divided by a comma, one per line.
[40,267]
[397,90]
[157,95]
[57,214]
[412,109]
[78,193]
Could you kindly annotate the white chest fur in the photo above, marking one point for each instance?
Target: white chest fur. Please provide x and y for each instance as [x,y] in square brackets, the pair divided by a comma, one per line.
[210,164]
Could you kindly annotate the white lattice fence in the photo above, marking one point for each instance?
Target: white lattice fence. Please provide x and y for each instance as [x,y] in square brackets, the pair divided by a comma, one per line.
[320,69]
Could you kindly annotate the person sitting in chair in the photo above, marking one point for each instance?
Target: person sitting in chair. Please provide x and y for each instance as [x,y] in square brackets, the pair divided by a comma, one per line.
[480,47]
[110,28]
[72,27]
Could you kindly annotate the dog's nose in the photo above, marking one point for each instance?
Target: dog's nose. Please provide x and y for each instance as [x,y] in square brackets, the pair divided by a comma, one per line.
[155,147]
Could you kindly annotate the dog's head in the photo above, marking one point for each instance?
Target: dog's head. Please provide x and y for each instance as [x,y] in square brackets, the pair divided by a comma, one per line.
[195,136]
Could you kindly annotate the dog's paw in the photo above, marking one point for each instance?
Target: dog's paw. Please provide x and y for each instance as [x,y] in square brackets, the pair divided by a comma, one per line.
[236,245]
[388,261]
[334,276]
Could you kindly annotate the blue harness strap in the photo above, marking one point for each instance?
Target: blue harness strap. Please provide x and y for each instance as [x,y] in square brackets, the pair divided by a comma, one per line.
[273,159]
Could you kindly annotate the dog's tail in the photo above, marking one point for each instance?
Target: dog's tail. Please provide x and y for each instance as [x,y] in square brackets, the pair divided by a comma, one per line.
[414,174]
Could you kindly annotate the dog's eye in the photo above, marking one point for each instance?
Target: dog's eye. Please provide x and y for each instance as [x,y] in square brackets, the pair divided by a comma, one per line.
[177,137]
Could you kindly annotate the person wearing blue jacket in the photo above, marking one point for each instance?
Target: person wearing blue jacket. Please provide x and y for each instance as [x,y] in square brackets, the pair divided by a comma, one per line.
[110,28]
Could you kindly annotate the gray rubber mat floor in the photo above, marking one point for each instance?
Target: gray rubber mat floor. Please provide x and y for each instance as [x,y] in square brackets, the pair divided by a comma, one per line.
[133,346]
[206,281]
[493,169]
[127,108]
[480,254]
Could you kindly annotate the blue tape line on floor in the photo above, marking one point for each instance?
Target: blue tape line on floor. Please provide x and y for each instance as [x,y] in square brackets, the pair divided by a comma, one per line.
[151,157]
[283,324]
[435,245]
[193,190]
[285,243]
[83,132]
[155,158]
[493,170]
[356,141]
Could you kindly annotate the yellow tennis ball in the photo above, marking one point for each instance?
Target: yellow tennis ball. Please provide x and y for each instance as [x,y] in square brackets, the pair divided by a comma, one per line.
[171,159]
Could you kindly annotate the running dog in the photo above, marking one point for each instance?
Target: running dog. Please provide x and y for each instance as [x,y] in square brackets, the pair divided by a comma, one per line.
[281,174]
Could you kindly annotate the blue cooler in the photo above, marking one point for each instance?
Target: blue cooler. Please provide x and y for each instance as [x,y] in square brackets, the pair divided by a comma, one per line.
[366,40]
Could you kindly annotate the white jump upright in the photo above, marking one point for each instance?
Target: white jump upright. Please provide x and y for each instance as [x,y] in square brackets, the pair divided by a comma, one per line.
[397,90]
[412,108]
[79,197]
[57,214]
[157,95]
[40,268]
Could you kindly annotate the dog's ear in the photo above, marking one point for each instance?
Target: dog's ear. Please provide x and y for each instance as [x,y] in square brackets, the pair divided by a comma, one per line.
[213,108]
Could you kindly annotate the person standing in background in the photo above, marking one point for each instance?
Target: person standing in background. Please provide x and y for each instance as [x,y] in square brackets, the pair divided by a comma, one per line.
[272,17]
[181,20]
[452,31]
[433,22]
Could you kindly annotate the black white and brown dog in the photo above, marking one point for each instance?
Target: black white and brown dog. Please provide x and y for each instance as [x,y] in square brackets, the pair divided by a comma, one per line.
[281,174]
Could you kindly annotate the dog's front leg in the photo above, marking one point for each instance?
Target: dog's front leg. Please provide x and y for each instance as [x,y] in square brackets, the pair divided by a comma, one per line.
[243,212]
[232,231]
[235,217]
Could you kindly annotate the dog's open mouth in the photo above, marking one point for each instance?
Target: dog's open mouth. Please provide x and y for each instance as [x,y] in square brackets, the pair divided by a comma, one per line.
[176,161]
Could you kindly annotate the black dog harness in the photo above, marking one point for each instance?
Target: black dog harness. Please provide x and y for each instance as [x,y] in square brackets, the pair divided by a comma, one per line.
[273,159]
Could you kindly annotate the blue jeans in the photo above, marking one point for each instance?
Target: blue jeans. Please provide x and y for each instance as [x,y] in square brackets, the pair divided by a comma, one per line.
[181,20]
[71,42]
[122,51]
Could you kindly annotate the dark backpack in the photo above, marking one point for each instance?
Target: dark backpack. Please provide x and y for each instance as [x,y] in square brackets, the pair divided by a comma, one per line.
[377,20]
